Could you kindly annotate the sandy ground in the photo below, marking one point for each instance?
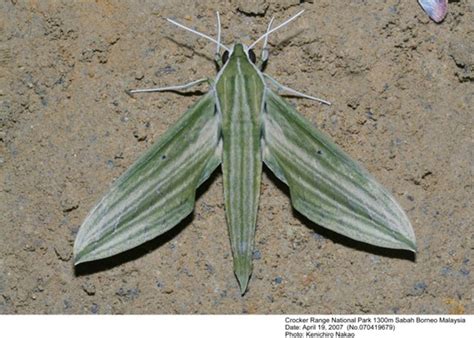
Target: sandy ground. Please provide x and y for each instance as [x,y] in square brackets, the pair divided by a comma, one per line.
[402,89]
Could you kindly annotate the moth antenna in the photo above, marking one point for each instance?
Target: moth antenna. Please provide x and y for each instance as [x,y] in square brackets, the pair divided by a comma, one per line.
[198,33]
[267,32]
[218,33]
[264,56]
[276,28]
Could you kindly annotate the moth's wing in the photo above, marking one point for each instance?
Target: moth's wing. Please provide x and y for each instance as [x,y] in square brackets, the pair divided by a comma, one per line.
[158,190]
[326,185]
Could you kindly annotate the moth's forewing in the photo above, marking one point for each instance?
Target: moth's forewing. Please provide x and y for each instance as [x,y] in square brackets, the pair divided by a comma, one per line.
[326,185]
[158,190]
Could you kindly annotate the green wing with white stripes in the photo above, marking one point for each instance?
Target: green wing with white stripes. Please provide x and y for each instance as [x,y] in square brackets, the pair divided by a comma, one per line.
[326,185]
[158,190]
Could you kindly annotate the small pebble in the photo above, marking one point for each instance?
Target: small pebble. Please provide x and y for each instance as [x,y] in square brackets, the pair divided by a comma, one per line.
[209,268]
[317,236]
[88,288]
[420,288]
[139,75]
[168,291]
[63,252]
[94,308]
[446,270]
[129,294]
[164,70]
[67,304]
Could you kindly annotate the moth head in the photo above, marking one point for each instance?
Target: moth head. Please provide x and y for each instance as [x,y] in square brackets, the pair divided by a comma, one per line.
[239,50]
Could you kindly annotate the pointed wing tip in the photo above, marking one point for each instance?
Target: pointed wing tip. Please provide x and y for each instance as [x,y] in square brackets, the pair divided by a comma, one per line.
[412,247]
[84,253]
[76,254]
[80,254]
[410,239]
[406,242]
[79,257]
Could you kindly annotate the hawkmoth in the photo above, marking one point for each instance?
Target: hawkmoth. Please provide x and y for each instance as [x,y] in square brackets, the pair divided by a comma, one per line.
[241,123]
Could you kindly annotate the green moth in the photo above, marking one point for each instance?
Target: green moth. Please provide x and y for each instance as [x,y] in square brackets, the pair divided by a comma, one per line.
[240,124]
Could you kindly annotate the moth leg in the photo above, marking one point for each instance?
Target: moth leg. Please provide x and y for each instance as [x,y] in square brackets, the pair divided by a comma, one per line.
[264,55]
[291,91]
[218,60]
[171,88]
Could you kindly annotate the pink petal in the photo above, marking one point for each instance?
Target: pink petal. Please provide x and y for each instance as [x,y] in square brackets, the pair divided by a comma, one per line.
[436,9]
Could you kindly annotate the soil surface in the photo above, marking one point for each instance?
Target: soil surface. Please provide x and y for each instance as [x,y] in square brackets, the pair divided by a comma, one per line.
[402,93]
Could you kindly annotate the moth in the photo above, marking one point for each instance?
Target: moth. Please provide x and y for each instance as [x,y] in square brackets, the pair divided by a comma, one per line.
[241,123]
